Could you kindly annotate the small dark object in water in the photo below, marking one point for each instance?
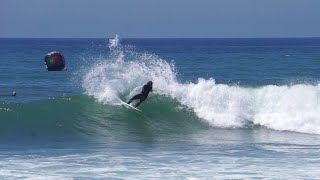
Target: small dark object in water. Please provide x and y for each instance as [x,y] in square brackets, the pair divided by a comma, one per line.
[54,61]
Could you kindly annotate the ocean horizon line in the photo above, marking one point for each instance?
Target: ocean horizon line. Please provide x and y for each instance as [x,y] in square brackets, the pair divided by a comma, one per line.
[162,37]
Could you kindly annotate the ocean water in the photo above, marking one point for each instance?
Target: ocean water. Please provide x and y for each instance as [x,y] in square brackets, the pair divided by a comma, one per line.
[220,109]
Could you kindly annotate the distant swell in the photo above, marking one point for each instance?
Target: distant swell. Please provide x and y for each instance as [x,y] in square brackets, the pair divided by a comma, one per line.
[117,78]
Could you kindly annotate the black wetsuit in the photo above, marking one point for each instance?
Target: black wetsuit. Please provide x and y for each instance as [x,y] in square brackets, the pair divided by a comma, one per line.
[142,96]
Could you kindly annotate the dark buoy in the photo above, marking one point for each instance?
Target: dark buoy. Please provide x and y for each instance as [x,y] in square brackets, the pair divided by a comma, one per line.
[55,61]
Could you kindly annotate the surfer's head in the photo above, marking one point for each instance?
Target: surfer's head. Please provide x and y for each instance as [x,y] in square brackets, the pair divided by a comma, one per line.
[14,93]
[149,83]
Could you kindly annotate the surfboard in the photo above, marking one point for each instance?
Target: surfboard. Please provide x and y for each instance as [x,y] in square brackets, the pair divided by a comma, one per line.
[131,107]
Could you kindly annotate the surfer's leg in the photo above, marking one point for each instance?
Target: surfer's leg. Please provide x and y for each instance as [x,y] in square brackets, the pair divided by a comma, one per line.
[142,98]
[134,98]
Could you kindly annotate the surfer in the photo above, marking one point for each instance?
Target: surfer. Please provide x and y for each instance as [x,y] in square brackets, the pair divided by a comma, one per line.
[13,94]
[143,95]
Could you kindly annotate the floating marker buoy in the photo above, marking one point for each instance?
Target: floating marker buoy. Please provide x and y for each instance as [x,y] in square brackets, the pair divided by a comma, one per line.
[54,61]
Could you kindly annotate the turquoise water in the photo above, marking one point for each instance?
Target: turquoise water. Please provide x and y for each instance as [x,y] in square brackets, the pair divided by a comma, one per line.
[221,108]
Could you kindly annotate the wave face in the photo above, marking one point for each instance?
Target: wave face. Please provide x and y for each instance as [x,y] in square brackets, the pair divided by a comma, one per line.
[119,77]
[46,118]
[81,117]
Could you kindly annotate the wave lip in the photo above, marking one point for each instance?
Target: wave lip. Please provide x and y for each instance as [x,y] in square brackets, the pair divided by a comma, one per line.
[219,105]
[293,108]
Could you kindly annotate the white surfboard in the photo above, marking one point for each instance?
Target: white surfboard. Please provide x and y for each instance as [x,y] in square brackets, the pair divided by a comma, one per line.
[129,106]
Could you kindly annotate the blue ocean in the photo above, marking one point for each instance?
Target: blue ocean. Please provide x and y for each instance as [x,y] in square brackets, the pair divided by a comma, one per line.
[220,109]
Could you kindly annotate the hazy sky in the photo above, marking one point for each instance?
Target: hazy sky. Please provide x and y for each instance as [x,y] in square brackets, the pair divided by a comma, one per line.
[159,18]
